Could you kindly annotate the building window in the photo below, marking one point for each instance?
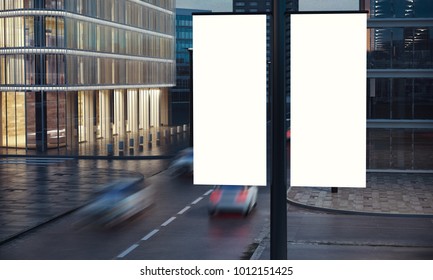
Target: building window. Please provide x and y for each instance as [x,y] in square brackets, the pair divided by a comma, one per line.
[400,48]
[379,99]
[399,98]
[12,119]
[423,98]
[29,33]
[400,8]
[13,32]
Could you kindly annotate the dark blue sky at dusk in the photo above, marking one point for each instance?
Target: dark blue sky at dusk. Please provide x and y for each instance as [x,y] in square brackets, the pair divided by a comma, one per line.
[214,5]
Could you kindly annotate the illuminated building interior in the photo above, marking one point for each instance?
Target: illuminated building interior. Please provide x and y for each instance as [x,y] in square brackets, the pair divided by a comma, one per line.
[80,71]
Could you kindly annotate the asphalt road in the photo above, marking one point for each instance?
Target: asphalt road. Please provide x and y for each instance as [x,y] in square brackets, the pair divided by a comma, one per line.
[176,226]
[315,235]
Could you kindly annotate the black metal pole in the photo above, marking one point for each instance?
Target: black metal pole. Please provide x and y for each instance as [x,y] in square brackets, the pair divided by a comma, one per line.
[279,165]
[191,115]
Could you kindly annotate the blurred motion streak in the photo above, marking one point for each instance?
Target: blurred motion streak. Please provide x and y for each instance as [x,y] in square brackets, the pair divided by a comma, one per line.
[119,201]
[182,164]
[232,199]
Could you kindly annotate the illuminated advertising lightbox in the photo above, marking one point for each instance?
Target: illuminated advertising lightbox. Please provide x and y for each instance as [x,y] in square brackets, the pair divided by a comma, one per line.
[328,99]
[229,93]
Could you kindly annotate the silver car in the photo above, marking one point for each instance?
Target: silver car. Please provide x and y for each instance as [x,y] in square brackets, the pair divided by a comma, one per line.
[119,201]
[232,199]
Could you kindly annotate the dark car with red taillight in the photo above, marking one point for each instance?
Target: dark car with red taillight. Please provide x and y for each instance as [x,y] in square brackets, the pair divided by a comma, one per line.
[232,199]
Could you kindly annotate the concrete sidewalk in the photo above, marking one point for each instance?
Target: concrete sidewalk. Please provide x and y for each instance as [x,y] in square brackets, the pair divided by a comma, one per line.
[385,194]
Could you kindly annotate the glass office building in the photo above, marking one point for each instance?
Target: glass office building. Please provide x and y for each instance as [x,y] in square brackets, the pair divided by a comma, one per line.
[180,94]
[83,72]
[400,84]
[399,80]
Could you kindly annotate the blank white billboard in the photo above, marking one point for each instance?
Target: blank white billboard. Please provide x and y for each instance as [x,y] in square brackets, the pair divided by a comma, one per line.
[328,100]
[229,85]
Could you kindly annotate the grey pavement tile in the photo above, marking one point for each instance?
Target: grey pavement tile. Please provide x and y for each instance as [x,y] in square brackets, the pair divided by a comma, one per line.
[392,193]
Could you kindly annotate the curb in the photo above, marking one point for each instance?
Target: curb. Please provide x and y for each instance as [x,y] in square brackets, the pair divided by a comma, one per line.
[266,229]
[261,247]
[355,212]
[41,224]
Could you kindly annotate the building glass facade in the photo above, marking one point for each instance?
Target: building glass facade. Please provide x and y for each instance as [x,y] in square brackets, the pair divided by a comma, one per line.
[259,6]
[180,94]
[251,6]
[399,80]
[400,84]
[81,71]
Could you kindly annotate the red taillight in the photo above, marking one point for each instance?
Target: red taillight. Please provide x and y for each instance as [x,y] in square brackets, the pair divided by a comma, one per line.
[242,196]
[215,196]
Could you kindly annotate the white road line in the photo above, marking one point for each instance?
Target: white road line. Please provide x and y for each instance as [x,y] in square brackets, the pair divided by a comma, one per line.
[168,221]
[197,200]
[127,251]
[152,233]
[183,210]
[208,192]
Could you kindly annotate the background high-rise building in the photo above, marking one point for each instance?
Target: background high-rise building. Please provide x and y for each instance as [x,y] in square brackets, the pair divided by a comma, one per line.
[180,94]
[399,80]
[77,72]
[400,84]
[251,6]
[259,6]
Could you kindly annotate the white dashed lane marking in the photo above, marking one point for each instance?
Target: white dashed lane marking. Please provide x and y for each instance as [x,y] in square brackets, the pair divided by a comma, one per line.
[168,221]
[183,210]
[155,231]
[152,233]
[197,200]
[208,192]
[127,251]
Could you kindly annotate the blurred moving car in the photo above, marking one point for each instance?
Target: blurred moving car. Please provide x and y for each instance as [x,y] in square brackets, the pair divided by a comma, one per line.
[119,201]
[232,199]
[182,164]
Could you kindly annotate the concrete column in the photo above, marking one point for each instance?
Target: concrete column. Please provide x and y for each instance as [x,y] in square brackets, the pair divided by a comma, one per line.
[104,114]
[154,107]
[132,97]
[2,142]
[119,113]
[87,129]
[71,119]
[143,109]
[164,107]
